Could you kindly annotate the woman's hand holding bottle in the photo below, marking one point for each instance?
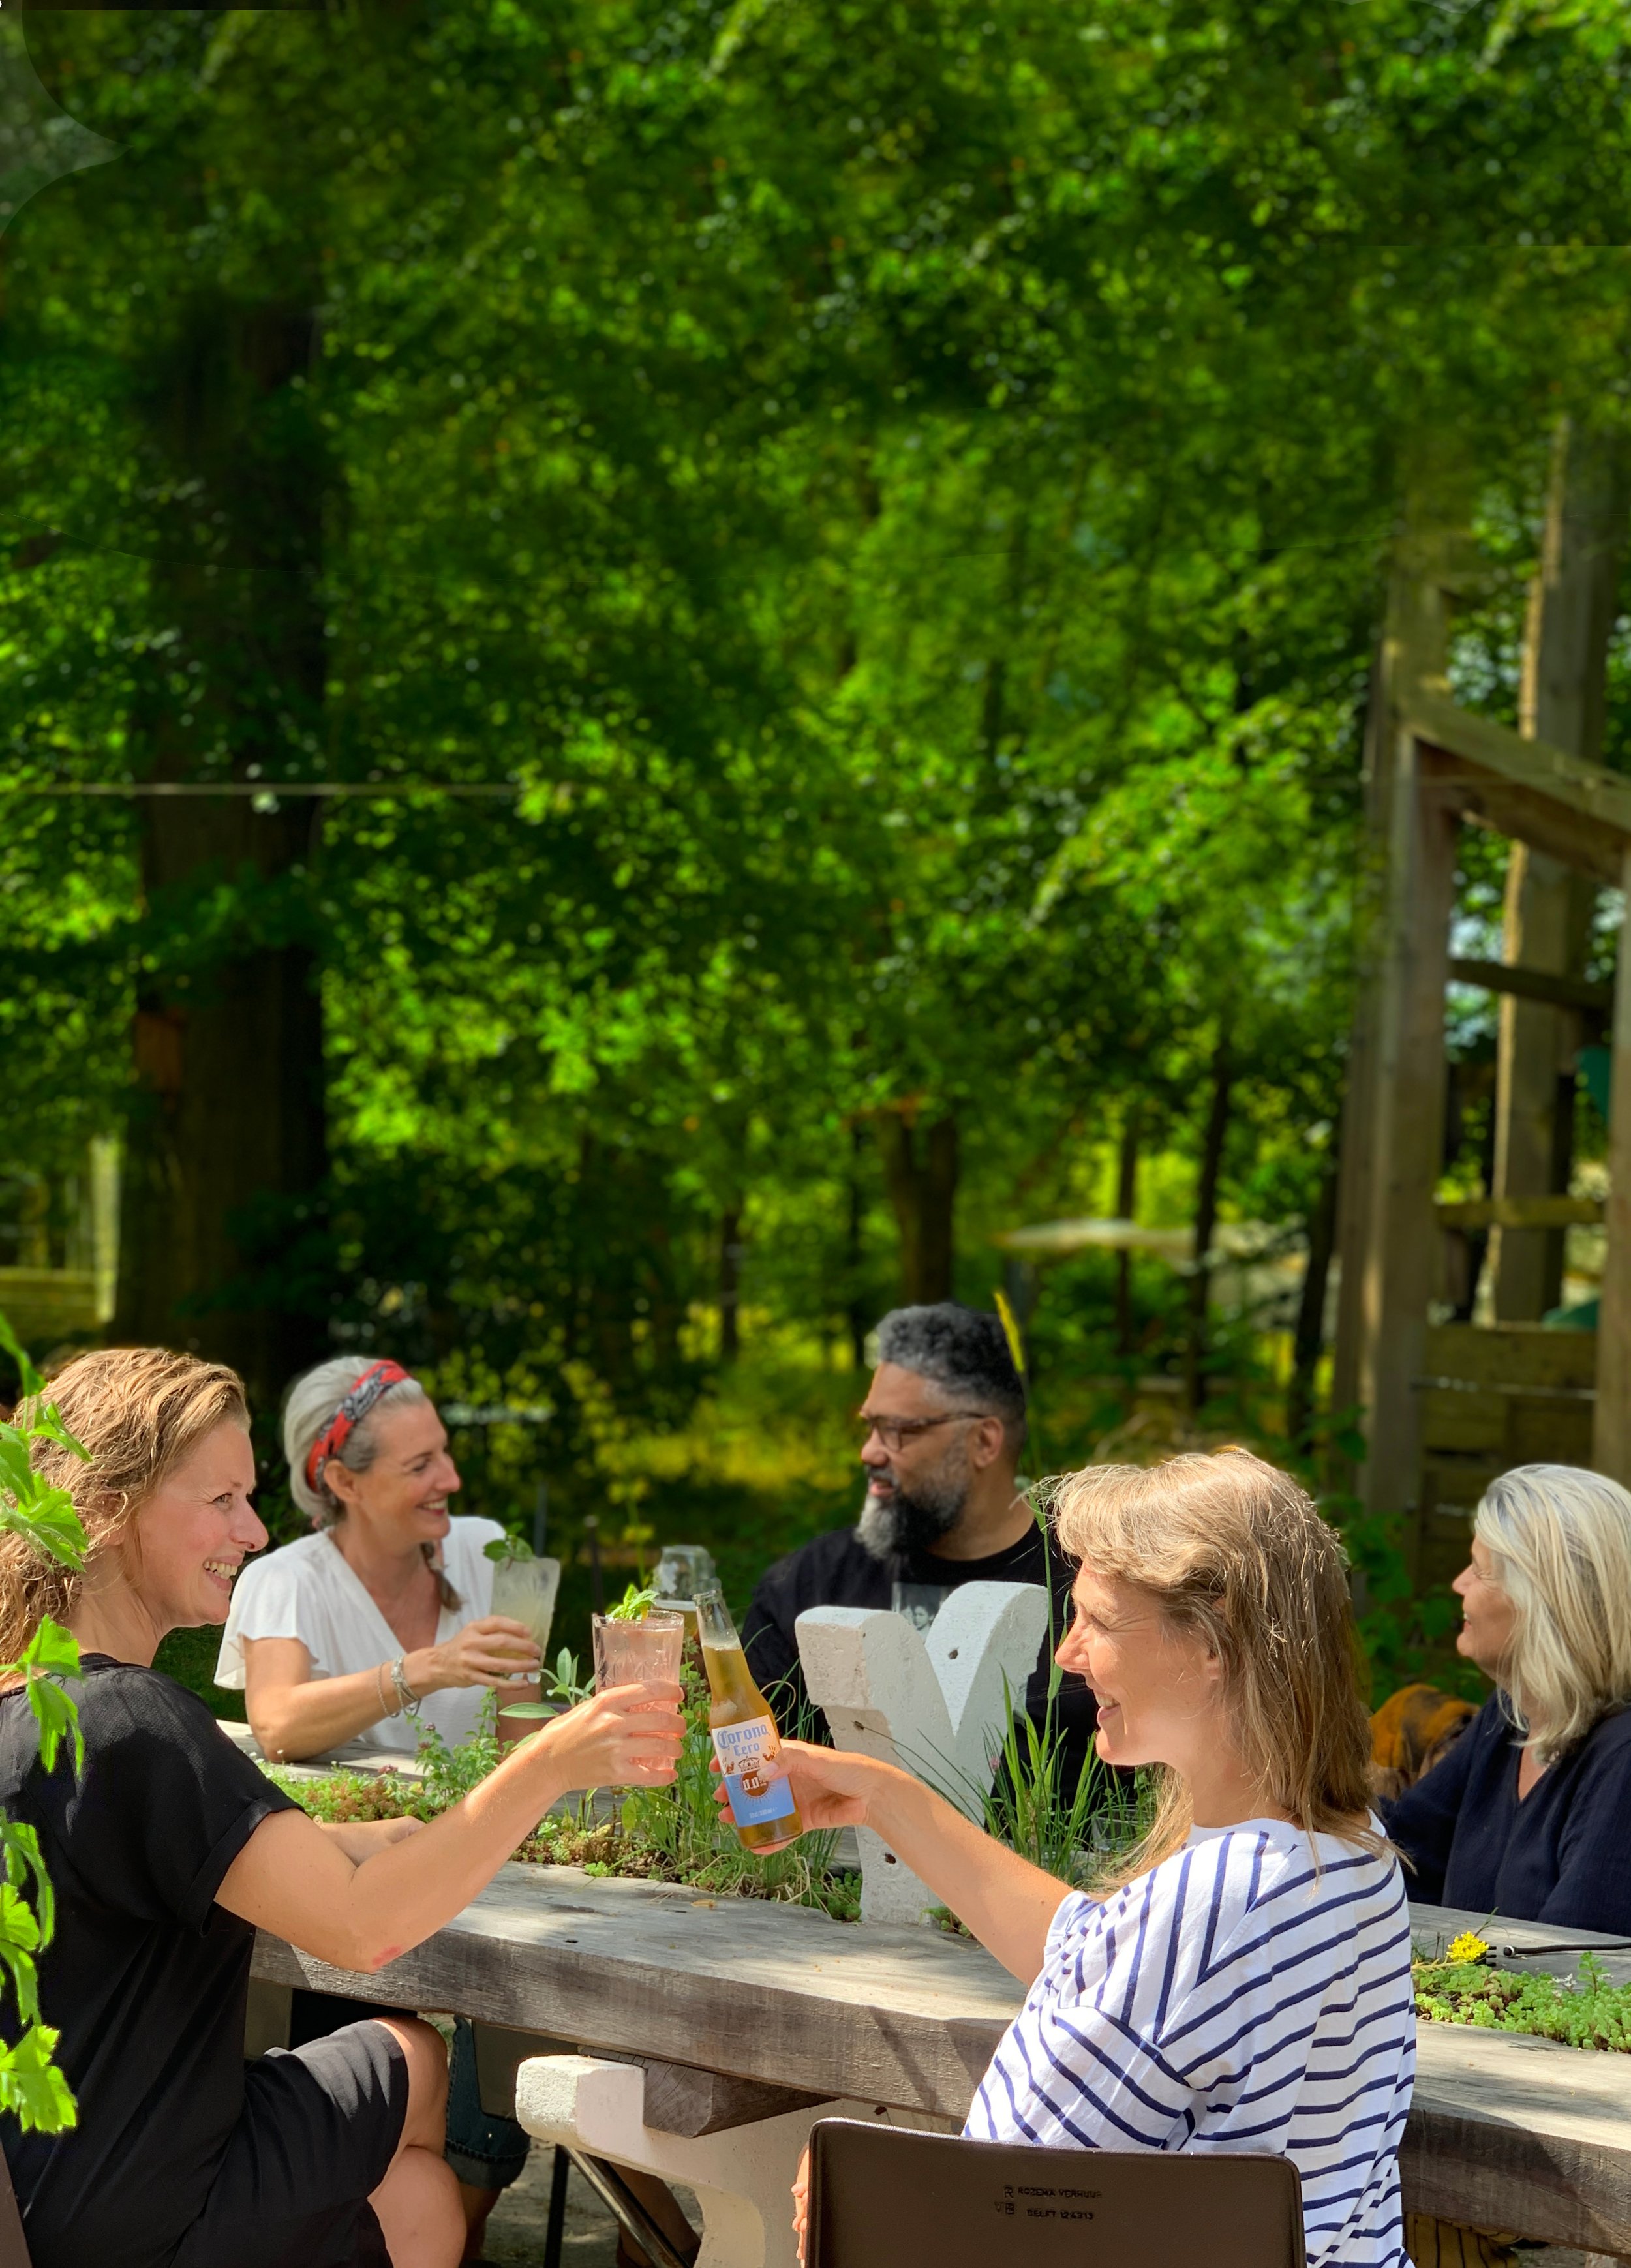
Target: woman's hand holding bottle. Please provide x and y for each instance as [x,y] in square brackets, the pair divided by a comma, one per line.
[832,1787]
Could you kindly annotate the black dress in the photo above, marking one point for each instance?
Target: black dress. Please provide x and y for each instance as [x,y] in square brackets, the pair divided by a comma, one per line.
[183,2157]
[1564,1854]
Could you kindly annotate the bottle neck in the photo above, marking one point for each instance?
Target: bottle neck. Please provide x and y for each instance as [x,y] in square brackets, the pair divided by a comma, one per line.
[714,1626]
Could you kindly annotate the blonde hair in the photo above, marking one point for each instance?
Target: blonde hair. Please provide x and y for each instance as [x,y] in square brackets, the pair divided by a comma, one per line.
[140,1411]
[1561,1539]
[1233,1551]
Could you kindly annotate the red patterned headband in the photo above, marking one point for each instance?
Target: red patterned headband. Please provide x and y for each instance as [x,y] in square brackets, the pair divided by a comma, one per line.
[358,1402]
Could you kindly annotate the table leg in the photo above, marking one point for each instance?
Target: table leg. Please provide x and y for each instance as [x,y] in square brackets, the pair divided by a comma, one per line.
[554,2233]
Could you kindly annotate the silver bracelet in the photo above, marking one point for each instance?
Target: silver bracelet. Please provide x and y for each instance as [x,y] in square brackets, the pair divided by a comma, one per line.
[386,1709]
[406,1698]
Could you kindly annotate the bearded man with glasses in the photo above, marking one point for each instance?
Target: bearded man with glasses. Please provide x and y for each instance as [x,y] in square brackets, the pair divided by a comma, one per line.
[939,1436]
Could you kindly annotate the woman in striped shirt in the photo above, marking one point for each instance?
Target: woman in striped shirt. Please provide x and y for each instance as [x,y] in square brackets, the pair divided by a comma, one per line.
[1244,1982]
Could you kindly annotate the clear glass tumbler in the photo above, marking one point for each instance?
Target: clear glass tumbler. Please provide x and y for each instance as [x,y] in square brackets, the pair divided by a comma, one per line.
[524,1591]
[637,1653]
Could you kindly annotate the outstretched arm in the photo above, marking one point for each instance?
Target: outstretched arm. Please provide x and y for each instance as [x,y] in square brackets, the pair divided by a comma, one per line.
[1009,1903]
[358,1910]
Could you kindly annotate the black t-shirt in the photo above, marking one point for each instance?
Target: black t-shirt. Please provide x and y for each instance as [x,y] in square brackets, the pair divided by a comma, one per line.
[146,1976]
[837,1570]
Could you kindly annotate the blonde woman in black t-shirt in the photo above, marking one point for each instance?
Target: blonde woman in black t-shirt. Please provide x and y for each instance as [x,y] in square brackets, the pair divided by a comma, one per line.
[170,1848]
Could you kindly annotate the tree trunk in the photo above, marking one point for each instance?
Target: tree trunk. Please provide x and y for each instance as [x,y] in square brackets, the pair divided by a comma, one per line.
[1308,1338]
[222,1245]
[1205,1223]
[920,1173]
[1126,1199]
[730,1285]
[1573,605]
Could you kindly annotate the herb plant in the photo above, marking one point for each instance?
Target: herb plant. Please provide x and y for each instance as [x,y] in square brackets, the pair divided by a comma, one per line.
[453,1769]
[1582,2011]
[32,2087]
[508,1550]
[674,1834]
[635,1604]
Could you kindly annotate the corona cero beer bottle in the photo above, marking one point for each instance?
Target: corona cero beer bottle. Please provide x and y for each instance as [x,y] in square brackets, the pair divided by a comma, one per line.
[744,1734]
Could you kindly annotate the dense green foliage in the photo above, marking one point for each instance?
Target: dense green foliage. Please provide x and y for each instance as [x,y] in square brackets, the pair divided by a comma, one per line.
[896,500]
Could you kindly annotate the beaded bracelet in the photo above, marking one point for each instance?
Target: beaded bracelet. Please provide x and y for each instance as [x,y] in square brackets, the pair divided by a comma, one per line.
[406,1698]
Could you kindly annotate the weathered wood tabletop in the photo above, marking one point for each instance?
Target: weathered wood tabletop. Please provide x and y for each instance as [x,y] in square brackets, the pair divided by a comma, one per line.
[1505,2133]
[774,1993]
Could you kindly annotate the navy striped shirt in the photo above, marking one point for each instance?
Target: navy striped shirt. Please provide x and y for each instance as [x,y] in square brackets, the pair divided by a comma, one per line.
[1232,1999]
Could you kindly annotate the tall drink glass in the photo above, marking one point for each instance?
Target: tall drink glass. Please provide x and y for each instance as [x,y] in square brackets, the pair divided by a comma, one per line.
[645,1653]
[524,1591]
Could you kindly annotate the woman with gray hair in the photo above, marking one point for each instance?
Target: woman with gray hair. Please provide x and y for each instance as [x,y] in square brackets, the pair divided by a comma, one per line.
[1529,1815]
[383,1610]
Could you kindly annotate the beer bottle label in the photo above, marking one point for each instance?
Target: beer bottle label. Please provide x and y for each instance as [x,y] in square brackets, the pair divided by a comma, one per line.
[744,1752]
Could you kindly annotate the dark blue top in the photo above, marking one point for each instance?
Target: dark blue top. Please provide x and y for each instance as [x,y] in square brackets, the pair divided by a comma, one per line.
[1564,1854]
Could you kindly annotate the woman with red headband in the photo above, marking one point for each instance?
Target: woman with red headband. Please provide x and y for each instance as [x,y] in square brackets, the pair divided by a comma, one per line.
[377,1625]
[370,1630]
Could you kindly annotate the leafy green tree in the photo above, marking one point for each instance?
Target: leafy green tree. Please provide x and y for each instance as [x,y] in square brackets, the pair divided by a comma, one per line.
[893,500]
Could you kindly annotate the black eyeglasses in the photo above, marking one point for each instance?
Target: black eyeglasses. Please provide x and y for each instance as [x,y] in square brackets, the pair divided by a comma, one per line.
[895,1431]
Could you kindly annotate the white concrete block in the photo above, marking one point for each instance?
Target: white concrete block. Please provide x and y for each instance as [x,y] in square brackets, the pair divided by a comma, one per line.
[934,1705]
[743,2177]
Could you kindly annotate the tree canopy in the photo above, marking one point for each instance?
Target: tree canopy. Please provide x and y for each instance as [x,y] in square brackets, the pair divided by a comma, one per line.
[836,549]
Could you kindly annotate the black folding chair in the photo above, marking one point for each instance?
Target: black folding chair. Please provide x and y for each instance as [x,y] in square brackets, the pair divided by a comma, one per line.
[878,2194]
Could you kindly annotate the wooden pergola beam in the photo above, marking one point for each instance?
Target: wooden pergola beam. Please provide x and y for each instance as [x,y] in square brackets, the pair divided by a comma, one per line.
[1429,764]
[1406,1129]
[1572,810]
[1535,984]
[1520,1212]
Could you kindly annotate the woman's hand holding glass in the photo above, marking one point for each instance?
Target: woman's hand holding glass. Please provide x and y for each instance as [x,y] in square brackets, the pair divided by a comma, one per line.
[492,1651]
[628,1736]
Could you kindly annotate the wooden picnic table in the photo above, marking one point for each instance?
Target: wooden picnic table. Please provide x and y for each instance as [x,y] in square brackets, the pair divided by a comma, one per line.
[1506,2132]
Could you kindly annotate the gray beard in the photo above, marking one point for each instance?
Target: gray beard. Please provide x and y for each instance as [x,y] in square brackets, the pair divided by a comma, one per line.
[908,1524]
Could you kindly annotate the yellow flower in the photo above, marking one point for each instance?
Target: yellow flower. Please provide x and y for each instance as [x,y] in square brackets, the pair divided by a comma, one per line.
[1467,1947]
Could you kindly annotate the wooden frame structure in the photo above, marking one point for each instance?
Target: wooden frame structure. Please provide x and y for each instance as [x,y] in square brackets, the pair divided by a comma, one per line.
[1432,765]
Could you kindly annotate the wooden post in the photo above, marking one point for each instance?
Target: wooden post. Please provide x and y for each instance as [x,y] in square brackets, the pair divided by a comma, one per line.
[1413,647]
[1610,1437]
[1405,1131]
[1548,908]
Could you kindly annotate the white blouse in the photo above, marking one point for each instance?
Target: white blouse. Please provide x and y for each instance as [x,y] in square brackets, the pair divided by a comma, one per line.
[309,1590]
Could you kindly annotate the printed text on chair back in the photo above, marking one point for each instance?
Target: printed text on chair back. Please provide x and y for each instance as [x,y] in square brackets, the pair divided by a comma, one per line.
[879,2195]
